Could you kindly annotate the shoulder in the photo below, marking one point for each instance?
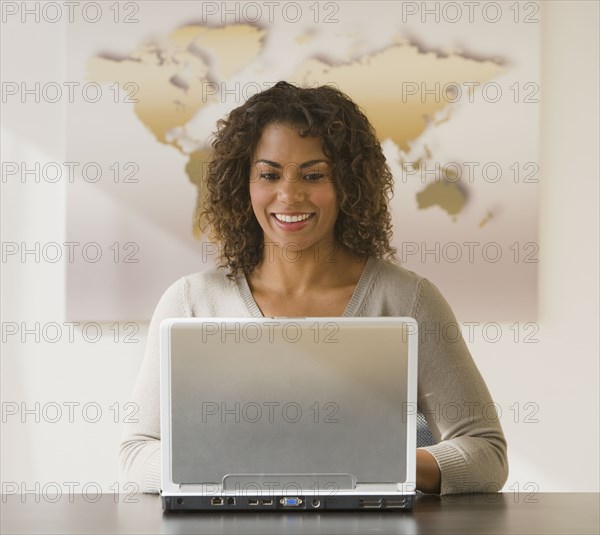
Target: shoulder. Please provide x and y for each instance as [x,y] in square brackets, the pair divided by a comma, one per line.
[213,278]
[392,279]
[203,283]
[210,293]
[403,285]
[393,273]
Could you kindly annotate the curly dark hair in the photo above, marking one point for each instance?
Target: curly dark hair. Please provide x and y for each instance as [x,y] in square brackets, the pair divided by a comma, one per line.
[361,177]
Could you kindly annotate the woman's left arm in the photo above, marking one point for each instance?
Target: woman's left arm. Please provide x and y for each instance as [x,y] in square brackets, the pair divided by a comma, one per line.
[470,455]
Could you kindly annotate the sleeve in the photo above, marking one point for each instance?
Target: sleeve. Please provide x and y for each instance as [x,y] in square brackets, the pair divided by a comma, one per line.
[453,397]
[139,454]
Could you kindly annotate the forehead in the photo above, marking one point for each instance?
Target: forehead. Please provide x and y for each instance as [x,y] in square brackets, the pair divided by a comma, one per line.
[283,144]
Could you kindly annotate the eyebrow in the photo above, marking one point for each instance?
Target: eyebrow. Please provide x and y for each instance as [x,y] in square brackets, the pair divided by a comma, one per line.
[304,165]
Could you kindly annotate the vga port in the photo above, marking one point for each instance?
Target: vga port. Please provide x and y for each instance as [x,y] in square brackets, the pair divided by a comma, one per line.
[290,502]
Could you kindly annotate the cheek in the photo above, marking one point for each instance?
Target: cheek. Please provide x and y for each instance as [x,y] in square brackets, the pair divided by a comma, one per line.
[259,198]
[326,199]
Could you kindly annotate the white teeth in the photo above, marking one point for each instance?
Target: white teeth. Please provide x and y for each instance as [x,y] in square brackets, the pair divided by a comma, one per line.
[292,218]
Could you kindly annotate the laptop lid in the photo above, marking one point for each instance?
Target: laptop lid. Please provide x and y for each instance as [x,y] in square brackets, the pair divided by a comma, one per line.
[271,404]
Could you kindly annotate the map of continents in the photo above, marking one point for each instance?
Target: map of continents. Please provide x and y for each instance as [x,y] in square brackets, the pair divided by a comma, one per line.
[171,76]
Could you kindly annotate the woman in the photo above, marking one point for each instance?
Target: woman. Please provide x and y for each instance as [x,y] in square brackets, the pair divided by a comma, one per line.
[298,192]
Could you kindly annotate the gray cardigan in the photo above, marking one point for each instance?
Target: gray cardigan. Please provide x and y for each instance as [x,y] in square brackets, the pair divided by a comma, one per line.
[470,447]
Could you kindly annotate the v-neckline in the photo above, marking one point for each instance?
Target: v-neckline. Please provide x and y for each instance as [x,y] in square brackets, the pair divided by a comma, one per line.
[351,308]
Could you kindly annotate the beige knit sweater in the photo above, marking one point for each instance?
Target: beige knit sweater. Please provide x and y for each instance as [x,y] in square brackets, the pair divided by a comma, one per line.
[470,448]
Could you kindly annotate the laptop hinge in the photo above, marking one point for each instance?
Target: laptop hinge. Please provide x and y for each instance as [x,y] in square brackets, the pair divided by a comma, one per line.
[288,482]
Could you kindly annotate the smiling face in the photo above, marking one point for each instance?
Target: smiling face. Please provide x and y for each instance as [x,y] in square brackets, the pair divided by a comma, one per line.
[292,191]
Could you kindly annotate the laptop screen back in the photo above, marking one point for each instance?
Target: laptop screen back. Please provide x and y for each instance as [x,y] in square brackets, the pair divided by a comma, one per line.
[294,396]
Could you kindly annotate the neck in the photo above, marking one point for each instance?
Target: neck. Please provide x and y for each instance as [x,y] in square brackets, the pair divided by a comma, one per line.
[291,272]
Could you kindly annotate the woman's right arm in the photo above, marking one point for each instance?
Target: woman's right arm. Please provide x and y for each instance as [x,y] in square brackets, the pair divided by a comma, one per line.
[140,446]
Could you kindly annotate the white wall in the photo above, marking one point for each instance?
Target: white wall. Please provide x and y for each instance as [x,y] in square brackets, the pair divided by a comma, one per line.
[559,374]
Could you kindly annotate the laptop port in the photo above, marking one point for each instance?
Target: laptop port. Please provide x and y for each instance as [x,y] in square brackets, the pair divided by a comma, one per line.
[370,503]
[267,502]
[230,501]
[290,502]
[316,503]
[395,503]
[252,501]
[216,501]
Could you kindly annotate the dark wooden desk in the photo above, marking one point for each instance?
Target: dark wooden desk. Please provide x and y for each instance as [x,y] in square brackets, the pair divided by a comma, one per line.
[479,513]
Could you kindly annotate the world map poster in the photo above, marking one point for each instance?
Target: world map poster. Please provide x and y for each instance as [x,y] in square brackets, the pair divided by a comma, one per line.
[452,89]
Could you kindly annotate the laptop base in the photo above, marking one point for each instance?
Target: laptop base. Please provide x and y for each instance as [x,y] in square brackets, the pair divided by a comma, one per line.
[287,503]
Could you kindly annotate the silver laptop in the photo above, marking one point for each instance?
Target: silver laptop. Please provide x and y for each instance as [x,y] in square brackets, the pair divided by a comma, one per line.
[275,414]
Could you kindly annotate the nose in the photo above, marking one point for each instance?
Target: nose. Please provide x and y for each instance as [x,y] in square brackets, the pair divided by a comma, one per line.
[291,189]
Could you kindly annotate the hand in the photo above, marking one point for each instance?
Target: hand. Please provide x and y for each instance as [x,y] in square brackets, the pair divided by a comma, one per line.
[429,477]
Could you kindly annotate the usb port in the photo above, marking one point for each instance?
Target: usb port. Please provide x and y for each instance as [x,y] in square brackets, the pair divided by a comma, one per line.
[392,503]
[267,502]
[252,502]
[371,503]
